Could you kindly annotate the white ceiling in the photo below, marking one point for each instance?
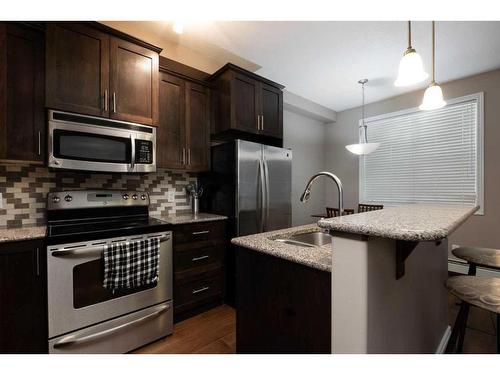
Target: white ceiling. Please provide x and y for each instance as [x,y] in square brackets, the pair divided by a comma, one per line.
[322,61]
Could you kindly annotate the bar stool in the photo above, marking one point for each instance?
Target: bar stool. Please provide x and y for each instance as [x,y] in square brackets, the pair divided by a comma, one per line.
[475,256]
[483,292]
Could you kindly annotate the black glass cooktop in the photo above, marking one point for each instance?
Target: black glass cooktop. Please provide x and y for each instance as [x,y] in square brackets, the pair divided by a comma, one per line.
[83,230]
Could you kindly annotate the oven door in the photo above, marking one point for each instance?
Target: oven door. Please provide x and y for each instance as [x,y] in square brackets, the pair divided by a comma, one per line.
[76,296]
[100,145]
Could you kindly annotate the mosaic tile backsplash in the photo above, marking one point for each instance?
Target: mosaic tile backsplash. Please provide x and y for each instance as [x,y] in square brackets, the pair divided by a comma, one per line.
[24,190]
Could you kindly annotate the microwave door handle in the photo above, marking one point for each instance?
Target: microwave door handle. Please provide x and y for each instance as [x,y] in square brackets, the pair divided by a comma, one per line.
[132,160]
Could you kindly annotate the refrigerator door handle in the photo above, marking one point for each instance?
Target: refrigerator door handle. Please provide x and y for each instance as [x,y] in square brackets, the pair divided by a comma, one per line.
[263,200]
[266,190]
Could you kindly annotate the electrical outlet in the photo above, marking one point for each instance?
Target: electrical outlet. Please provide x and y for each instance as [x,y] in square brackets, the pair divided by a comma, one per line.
[170,195]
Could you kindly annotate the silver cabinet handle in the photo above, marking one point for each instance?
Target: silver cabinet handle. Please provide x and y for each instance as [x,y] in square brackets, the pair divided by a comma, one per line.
[183,156]
[189,155]
[106,100]
[196,291]
[261,122]
[201,232]
[258,122]
[114,102]
[76,339]
[39,143]
[196,259]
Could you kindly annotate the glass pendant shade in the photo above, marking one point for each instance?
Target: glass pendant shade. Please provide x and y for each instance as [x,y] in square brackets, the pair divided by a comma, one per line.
[362,148]
[433,98]
[411,69]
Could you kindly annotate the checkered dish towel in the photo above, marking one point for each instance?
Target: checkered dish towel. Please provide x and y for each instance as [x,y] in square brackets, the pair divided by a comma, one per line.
[131,264]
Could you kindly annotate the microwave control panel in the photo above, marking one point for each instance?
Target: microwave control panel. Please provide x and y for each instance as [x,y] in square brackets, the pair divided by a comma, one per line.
[143,151]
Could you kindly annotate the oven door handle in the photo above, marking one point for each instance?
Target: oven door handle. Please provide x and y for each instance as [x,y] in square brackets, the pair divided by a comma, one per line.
[88,250]
[77,339]
[77,251]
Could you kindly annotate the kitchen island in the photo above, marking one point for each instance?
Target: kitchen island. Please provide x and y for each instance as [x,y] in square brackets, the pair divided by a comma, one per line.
[387,280]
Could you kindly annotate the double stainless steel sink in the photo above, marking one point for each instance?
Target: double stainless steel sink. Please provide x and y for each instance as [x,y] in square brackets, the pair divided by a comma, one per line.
[312,239]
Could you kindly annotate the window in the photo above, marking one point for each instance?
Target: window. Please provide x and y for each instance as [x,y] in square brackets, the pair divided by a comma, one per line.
[426,156]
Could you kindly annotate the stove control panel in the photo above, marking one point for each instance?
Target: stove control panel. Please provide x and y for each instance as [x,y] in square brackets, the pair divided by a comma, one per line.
[95,199]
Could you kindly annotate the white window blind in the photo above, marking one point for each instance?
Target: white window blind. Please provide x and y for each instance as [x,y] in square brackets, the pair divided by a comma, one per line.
[425,156]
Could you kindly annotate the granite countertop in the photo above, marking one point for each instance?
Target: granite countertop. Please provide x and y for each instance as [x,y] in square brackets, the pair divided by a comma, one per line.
[189,218]
[415,222]
[23,233]
[319,257]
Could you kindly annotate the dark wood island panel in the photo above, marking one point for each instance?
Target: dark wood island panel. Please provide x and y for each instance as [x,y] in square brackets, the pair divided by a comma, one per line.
[281,306]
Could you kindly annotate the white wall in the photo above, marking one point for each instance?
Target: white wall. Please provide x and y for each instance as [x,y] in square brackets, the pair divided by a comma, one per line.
[306,137]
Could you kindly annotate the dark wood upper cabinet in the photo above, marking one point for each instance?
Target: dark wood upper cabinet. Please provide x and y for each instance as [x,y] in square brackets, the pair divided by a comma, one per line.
[246,102]
[198,127]
[22,115]
[134,83]
[171,132]
[183,134]
[92,72]
[245,105]
[23,297]
[77,69]
[271,122]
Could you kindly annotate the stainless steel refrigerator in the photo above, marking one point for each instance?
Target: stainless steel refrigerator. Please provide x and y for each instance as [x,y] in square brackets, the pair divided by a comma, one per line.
[251,184]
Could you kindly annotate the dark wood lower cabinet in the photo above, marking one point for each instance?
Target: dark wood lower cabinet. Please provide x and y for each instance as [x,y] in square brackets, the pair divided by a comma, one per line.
[23,297]
[198,267]
[281,306]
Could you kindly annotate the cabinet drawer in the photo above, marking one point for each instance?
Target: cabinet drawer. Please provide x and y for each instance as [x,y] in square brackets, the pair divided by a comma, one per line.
[197,257]
[199,232]
[197,292]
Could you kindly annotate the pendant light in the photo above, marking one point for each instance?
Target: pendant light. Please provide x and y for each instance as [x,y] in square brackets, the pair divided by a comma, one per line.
[433,96]
[411,68]
[363,147]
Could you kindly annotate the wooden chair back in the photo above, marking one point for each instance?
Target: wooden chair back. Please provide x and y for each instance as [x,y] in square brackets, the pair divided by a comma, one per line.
[369,207]
[334,212]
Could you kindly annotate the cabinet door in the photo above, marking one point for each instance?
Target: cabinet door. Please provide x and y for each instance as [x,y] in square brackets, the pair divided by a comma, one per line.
[22,119]
[134,83]
[271,111]
[77,69]
[23,306]
[198,127]
[244,103]
[171,134]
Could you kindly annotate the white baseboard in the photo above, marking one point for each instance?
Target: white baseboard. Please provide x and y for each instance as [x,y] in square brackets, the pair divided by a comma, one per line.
[463,268]
[444,341]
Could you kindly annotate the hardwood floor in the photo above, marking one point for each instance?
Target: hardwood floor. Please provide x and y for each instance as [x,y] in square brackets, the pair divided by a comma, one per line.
[214,332]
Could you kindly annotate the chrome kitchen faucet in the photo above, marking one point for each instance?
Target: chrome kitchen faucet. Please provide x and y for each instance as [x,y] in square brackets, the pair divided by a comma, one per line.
[307,192]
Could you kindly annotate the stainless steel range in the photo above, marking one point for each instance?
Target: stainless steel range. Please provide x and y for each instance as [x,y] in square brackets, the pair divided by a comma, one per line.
[84,317]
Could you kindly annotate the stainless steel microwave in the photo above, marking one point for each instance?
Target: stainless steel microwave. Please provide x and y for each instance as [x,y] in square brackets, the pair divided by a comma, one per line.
[91,143]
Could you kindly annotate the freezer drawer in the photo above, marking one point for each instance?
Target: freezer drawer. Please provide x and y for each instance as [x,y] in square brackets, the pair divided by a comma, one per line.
[118,335]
